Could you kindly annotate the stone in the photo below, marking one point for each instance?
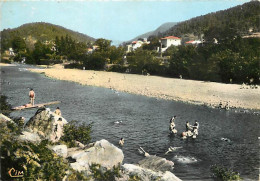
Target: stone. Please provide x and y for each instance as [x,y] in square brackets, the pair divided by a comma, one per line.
[29,136]
[46,124]
[4,118]
[156,163]
[103,153]
[147,174]
[60,150]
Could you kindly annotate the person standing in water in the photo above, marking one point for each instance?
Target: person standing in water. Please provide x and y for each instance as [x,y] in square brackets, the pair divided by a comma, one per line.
[32,96]
[172,125]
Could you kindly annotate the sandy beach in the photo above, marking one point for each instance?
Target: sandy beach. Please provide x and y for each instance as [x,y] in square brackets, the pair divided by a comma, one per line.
[195,92]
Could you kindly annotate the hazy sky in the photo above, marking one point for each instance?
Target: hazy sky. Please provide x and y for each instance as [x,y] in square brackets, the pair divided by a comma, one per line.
[114,20]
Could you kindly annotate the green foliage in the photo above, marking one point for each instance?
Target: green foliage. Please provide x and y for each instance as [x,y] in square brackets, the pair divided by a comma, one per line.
[143,61]
[39,32]
[103,44]
[222,24]
[36,162]
[224,174]
[18,44]
[5,108]
[101,174]
[134,178]
[76,131]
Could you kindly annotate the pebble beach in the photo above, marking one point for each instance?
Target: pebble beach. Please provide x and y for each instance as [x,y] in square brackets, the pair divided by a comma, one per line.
[190,91]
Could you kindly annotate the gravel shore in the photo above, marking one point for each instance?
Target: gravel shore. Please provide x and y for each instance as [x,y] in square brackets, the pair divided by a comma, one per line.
[195,92]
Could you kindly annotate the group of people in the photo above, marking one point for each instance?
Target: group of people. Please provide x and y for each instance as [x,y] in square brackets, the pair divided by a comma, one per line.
[191,131]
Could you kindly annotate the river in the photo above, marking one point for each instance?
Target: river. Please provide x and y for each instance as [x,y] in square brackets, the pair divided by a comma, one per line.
[144,122]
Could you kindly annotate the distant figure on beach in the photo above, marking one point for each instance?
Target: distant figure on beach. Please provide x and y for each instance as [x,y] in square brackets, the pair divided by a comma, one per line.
[32,96]
[57,111]
[121,142]
[172,125]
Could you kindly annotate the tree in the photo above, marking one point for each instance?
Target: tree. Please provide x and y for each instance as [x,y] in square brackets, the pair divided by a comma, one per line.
[18,44]
[103,44]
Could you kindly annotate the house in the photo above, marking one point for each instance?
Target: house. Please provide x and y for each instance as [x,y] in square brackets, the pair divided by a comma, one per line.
[136,44]
[168,41]
[193,42]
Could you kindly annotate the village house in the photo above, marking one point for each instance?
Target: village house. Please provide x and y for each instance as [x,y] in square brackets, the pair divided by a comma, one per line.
[168,41]
[193,42]
[136,44]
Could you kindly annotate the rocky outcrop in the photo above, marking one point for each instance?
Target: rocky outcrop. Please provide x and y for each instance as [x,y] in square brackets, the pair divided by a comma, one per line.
[29,137]
[60,150]
[4,118]
[102,152]
[156,163]
[147,174]
[46,124]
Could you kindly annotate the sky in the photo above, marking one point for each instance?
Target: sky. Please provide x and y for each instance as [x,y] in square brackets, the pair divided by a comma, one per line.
[118,20]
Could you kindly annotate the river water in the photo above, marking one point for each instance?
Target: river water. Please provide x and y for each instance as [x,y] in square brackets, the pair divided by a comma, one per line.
[144,122]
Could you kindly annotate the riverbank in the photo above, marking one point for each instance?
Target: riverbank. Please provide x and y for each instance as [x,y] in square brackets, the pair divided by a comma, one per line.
[195,92]
[5,64]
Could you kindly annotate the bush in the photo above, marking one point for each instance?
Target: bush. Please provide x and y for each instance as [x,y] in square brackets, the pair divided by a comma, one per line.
[224,174]
[73,65]
[75,131]
[101,174]
[5,108]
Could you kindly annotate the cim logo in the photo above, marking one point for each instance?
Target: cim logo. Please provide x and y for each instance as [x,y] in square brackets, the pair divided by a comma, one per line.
[15,173]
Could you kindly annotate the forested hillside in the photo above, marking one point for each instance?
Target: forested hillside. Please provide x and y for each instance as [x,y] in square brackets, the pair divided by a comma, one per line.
[34,32]
[236,20]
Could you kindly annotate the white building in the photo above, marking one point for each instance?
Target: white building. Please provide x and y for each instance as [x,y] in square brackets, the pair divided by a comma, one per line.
[168,41]
[193,42]
[136,44]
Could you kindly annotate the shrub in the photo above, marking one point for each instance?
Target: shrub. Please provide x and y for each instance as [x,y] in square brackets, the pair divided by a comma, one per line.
[101,174]
[75,131]
[224,174]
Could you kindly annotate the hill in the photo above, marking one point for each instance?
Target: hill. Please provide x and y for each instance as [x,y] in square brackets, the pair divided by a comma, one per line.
[164,27]
[240,20]
[32,32]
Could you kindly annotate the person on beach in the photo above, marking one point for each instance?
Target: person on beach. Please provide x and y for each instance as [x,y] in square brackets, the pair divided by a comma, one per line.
[32,96]
[57,111]
[121,142]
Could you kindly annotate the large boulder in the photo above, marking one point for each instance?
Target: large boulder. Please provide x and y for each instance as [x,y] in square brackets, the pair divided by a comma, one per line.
[102,152]
[156,163]
[146,174]
[30,137]
[60,150]
[46,124]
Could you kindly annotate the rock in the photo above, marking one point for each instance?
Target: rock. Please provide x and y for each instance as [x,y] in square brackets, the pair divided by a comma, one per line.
[60,150]
[147,174]
[103,153]
[46,124]
[79,144]
[156,163]
[4,118]
[29,136]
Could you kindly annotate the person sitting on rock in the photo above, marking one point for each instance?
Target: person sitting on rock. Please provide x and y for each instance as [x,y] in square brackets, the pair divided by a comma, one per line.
[121,142]
[57,111]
